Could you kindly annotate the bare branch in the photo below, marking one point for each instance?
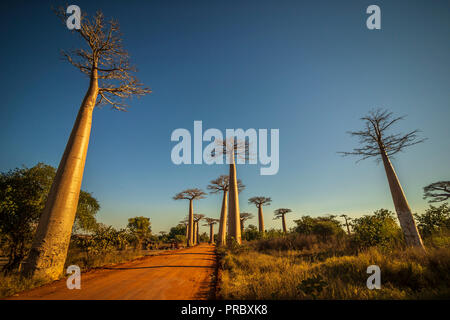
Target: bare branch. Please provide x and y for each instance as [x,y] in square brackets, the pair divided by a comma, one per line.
[106,56]
[375,139]
[437,191]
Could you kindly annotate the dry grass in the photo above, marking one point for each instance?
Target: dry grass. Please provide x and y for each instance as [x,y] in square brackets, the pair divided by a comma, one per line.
[258,271]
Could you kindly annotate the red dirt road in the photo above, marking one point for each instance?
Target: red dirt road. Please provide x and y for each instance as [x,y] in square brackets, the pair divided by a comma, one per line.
[181,274]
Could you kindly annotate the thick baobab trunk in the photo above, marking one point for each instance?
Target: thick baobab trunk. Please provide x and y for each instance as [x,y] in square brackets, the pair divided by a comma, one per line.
[211,233]
[190,239]
[51,241]
[409,228]
[242,227]
[283,219]
[222,236]
[260,219]
[233,206]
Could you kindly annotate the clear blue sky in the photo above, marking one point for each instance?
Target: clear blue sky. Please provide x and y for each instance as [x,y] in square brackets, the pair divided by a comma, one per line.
[307,68]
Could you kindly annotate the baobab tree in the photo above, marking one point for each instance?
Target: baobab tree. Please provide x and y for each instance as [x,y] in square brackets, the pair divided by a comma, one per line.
[437,191]
[104,61]
[377,142]
[244,217]
[211,222]
[191,195]
[197,218]
[221,185]
[347,224]
[281,213]
[259,202]
[236,151]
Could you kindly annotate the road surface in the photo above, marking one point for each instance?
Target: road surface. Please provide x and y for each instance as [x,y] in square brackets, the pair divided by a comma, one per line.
[180,274]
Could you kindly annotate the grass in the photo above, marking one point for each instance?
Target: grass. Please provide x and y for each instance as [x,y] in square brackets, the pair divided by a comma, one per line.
[297,267]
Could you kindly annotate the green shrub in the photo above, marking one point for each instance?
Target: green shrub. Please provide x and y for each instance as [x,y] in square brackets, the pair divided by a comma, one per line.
[379,229]
[434,221]
[323,227]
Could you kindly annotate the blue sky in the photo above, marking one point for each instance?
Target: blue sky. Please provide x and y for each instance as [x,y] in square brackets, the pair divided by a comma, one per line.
[308,68]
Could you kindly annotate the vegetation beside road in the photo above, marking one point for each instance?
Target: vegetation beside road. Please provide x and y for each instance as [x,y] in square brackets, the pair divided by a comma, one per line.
[318,260]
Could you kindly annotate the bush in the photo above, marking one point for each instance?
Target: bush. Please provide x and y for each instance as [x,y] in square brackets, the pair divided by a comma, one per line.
[251,233]
[323,227]
[435,220]
[379,229]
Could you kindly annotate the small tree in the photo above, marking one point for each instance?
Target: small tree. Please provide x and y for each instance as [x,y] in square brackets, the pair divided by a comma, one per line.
[377,142]
[140,228]
[437,191]
[210,222]
[281,213]
[179,230]
[323,227]
[259,202]
[347,222]
[197,218]
[244,217]
[23,193]
[379,229]
[252,233]
[435,219]
[191,195]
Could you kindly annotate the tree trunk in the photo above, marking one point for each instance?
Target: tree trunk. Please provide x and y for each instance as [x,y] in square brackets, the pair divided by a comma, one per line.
[242,227]
[348,227]
[211,233]
[233,206]
[51,241]
[190,239]
[283,219]
[412,236]
[222,236]
[197,233]
[261,219]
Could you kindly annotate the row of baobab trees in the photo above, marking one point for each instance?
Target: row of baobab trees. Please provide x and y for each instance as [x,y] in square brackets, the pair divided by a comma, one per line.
[111,80]
[228,226]
[376,142]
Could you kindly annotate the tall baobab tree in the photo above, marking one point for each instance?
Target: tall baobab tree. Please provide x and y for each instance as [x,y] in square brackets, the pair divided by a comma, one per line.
[244,217]
[437,191]
[234,149]
[191,195]
[104,61]
[281,213]
[259,202]
[377,142]
[347,224]
[197,218]
[221,185]
[211,222]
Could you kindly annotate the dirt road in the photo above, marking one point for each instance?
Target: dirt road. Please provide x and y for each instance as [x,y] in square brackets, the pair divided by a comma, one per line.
[181,274]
